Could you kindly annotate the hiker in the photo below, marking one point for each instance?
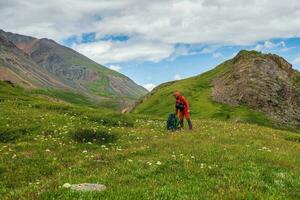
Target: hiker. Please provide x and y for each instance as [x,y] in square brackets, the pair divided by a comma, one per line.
[182,105]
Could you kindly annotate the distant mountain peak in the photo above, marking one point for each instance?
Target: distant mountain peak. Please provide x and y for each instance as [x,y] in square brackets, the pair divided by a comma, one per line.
[72,69]
[248,55]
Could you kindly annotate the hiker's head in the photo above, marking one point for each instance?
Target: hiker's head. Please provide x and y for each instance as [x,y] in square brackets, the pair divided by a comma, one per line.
[177,94]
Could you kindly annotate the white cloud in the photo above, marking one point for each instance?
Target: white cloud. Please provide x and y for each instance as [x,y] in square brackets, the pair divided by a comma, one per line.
[154,27]
[177,77]
[217,55]
[115,67]
[149,86]
[109,51]
[268,45]
[296,61]
[210,49]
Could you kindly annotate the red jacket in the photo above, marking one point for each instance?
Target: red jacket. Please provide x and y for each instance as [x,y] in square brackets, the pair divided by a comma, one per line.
[181,99]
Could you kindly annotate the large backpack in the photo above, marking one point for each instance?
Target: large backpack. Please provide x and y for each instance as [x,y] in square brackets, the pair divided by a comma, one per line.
[173,122]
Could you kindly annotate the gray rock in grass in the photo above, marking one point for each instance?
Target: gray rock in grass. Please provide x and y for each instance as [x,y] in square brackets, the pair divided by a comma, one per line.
[85,187]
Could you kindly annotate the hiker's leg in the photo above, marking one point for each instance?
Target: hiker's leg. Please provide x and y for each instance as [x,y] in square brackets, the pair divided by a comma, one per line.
[188,118]
[181,116]
[190,124]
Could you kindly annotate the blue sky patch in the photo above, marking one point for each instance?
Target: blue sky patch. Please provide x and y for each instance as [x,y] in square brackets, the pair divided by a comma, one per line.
[88,37]
[119,37]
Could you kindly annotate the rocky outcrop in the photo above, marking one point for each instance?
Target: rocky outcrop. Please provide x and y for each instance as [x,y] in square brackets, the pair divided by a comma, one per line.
[264,82]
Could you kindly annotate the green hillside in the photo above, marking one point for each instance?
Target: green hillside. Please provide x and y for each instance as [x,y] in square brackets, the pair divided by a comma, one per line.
[198,92]
[45,143]
[250,88]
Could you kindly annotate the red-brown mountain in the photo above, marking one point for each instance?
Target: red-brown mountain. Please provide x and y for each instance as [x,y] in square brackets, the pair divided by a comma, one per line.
[32,62]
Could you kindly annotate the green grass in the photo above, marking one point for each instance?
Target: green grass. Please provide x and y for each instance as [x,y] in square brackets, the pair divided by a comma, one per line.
[59,143]
[67,96]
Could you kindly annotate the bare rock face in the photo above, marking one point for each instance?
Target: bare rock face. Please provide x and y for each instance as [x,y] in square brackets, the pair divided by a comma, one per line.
[264,82]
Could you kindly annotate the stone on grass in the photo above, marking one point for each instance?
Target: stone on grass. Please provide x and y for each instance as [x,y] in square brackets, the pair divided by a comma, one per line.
[66,185]
[85,187]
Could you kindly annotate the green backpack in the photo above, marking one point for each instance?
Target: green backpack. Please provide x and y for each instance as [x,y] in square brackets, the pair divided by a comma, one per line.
[173,122]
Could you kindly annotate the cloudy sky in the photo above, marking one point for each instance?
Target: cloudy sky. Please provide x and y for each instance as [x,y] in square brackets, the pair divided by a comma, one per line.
[157,41]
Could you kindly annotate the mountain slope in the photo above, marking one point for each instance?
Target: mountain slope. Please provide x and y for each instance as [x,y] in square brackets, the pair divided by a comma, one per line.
[262,82]
[18,68]
[227,92]
[75,70]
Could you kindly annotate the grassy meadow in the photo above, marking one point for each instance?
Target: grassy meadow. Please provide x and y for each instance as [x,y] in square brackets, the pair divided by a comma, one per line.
[46,143]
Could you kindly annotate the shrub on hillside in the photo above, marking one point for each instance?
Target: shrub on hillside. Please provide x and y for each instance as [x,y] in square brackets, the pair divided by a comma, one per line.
[91,135]
[112,119]
[11,134]
[52,106]
[293,138]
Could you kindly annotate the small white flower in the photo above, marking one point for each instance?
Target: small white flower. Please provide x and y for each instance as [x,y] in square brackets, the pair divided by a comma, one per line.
[129,160]
[192,157]
[47,150]
[84,151]
[158,163]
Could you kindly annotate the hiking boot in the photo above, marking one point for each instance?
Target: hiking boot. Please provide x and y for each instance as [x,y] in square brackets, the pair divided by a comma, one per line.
[190,124]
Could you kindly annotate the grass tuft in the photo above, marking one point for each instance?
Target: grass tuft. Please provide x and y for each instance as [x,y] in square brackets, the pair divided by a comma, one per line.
[293,138]
[90,135]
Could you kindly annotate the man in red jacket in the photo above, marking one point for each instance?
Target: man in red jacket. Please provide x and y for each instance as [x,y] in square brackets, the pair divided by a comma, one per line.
[182,105]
